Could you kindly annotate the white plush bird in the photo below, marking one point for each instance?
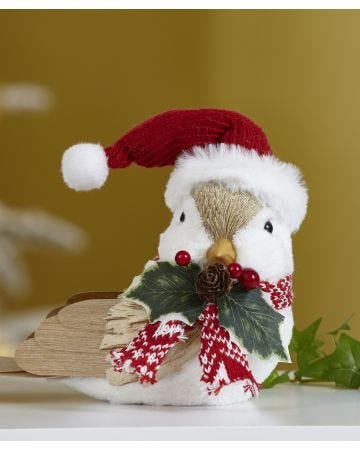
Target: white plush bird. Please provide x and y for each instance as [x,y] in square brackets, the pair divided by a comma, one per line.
[209,330]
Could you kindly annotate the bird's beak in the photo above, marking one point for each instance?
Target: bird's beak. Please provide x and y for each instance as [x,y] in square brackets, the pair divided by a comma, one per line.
[221,251]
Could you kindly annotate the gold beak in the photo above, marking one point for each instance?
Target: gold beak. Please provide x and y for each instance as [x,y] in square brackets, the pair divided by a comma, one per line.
[222,251]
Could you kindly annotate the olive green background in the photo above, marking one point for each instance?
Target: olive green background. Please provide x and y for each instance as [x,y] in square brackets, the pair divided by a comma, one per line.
[296,73]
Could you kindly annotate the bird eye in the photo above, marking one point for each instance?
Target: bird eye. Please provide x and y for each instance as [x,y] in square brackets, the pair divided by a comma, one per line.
[182,217]
[268,227]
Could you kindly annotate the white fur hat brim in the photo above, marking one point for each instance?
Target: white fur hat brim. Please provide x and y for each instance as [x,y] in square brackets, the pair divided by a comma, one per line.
[274,183]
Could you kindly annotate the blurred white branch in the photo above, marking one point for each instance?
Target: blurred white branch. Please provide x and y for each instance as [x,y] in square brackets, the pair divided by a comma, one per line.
[13,274]
[25,97]
[23,229]
[16,326]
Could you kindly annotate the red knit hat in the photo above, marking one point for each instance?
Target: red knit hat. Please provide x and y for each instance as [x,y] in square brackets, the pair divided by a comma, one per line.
[204,144]
[159,141]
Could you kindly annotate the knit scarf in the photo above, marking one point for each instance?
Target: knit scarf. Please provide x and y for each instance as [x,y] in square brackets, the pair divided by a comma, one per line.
[222,361]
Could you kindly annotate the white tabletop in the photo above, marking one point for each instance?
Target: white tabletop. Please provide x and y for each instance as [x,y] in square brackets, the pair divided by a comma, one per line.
[37,409]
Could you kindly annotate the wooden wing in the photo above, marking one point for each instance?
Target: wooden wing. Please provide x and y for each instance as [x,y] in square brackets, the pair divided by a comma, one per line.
[67,343]
[75,340]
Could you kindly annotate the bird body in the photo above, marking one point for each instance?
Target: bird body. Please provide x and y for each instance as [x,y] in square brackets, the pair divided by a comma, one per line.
[210,330]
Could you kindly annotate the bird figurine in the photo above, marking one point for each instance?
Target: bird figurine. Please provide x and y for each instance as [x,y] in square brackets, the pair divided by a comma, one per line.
[211,316]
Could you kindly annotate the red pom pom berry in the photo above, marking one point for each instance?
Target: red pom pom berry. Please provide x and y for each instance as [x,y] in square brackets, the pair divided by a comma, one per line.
[182,258]
[249,279]
[235,270]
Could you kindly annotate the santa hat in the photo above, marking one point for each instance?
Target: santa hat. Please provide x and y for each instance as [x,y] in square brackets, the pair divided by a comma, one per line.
[204,145]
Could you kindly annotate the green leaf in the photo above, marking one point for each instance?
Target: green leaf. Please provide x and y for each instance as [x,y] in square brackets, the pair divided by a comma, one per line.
[166,288]
[305,357]
[275,378]
[305,344]
[303,339]
[343,327]
[252,321]
[341,367]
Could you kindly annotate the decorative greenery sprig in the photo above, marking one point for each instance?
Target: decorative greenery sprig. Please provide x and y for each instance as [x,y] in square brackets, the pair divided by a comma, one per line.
[341,367]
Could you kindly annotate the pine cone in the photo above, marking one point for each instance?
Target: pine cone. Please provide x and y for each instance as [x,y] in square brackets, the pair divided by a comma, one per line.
[213,282]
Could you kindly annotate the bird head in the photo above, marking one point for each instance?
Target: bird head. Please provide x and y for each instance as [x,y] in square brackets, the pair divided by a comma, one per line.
[219,224]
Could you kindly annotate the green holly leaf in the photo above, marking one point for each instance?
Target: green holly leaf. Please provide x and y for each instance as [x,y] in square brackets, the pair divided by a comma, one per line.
[165,288]
[341,367]
[252,322]
[305,344]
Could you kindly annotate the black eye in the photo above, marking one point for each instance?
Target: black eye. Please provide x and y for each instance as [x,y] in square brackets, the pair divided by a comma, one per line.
[268,227]
[182,217]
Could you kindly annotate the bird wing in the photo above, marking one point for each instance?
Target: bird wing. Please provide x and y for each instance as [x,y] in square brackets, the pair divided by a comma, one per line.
[67,342]
[71,340]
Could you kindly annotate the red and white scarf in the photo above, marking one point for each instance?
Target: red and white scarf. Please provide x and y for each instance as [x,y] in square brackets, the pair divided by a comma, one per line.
[221,359]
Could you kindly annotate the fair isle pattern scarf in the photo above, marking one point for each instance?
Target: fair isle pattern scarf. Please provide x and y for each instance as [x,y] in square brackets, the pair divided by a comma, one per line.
[221,359]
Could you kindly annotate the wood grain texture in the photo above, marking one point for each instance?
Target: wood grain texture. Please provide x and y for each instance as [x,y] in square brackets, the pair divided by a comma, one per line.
[87,314]
[70,346]
[75,340]
[39,361]
[53,335]
[8,367]
[123,322]
[79,326]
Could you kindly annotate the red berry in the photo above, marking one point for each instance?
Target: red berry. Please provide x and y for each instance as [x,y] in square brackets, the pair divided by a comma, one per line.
[235,270]
[182,258]
[249,279]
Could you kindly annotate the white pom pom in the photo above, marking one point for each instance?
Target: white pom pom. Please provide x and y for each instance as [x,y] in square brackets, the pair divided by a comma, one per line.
[84,167]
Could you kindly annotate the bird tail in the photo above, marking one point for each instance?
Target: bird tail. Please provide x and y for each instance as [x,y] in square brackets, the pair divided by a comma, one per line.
[8,366]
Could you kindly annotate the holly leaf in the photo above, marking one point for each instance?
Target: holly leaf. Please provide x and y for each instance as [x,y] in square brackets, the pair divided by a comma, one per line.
[341,367]
[305,344]
[255,324]
[165,288]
